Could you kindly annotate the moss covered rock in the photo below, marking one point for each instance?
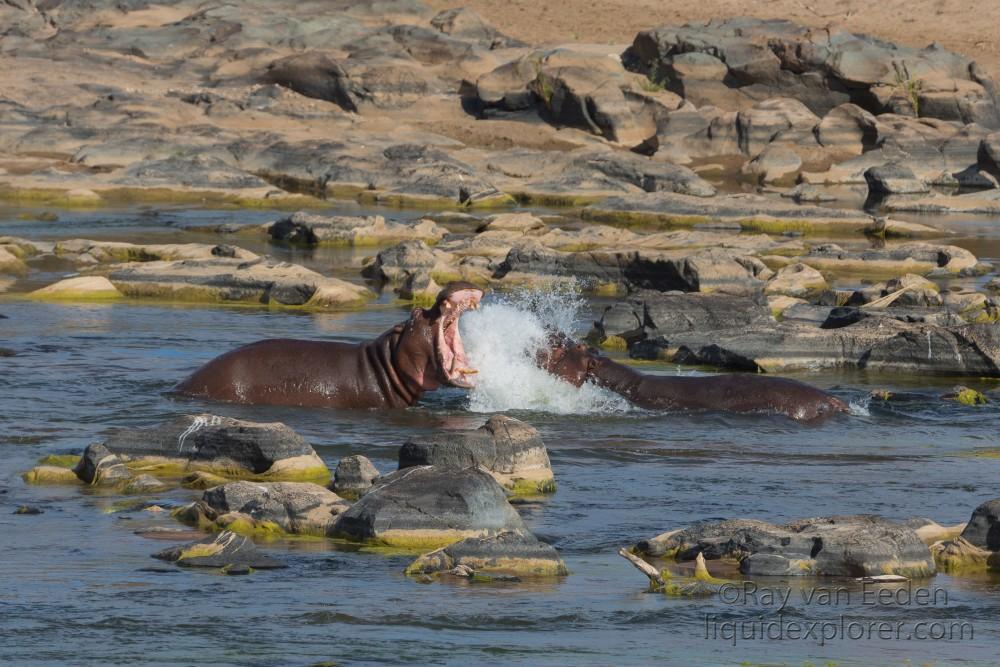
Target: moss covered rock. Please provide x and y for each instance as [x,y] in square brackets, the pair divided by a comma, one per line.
[225,550]
[509,552]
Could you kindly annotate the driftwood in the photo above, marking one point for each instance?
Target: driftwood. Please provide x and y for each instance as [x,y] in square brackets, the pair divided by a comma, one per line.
[655,579]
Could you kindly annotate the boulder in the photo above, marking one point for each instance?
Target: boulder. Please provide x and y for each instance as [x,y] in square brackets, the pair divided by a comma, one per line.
[983,529]
[427,507]
[847,129]
[50,474]
[796,280]
[774,164]
[226,551]
[978,545]
[466,24]
[354,475]
[509,552]
[223,445]
[838,546]
[894,179]
[508,449]
[266,508]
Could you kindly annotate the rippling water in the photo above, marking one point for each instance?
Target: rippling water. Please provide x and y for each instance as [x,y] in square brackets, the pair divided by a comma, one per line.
[77,585]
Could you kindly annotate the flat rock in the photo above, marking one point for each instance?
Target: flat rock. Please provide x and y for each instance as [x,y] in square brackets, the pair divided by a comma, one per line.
[82,287]
[231,280]
[839,546]
[509,552]
[510,450]
[225,550]
[224,445]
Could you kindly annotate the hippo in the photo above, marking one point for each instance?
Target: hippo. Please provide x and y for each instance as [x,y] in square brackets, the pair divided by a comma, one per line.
[392,371]
[577,363]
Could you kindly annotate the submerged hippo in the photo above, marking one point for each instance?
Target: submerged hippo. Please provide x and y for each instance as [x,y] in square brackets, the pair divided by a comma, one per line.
[577,363]
[391,371]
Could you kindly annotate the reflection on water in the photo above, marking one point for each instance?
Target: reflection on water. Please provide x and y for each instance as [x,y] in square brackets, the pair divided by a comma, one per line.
[78,586]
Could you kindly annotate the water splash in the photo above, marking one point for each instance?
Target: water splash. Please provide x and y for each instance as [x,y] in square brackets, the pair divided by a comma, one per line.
[501,340]
[860,407]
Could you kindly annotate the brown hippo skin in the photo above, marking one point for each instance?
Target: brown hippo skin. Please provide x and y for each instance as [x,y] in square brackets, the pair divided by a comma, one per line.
[577,363]
[392,371]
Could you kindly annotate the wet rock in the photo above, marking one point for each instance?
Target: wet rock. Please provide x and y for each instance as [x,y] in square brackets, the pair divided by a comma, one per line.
[977,547]
[266,508]
[232,280]
[201,479]
[839,546]
[306,229]
[227,550]
[29,510]
[143,484]
[99,466]
[226,446]
[508,552]
[874,343]
[426,507]
[354,475]
[894,179]
[508,449]
[965,396]
[48,474]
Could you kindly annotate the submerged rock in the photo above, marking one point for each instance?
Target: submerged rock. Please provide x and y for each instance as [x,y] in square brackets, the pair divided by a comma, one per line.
[225,550]
[428,507]
[354,475]
[839,546]
[266,508]
[510,450]
[230,447]
[48,474]
[508,552]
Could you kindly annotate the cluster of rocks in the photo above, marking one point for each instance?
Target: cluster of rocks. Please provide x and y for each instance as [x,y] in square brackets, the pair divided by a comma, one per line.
[900,326]
[156,109]
[449,496]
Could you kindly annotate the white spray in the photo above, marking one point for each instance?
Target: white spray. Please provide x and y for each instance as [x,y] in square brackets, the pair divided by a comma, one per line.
[501,341]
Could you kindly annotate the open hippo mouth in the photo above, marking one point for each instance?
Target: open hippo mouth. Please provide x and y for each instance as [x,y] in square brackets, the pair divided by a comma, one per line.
[450,351]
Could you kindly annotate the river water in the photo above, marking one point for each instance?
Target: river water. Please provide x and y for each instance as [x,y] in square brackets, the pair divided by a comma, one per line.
[78,586]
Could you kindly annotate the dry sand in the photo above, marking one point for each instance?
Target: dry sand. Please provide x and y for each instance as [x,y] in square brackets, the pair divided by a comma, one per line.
[960,25]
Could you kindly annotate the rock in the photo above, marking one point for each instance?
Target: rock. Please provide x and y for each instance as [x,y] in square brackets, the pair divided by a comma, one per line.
[909,290]
[965,396]
[266,508]
[839,546]
[46,474]
[232,280]
[894,179]
[796,280]
[99,466]
[306,229]
[316,75]
[465,24]
[774,164]
[201,479]
[426,507]
[848,129]
[11,263]
[873,343]
[29,510]
[510,450]
[767,59]
[983,529]
[143,484]
[508,552]
[931,531]
[512,222]
[750,212]
[226,550]
[977,547]
[225,446]
[672,313]
[81,288]
[699,270]
[354,475]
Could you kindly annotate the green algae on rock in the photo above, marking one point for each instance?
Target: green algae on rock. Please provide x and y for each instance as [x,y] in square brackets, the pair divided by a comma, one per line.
[508,552]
